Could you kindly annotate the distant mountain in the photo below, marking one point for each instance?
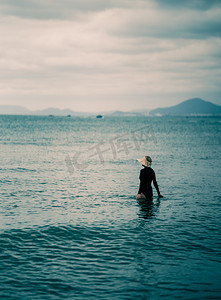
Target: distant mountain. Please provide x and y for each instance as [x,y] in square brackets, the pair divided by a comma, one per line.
[14,110]
[132,113]
[195,106]
[56,112]
[20,110]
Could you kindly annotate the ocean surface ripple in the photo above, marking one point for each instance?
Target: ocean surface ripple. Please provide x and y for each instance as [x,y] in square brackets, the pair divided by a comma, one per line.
[71,227]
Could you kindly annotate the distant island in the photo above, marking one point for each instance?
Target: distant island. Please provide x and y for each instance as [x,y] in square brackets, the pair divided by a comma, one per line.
[195,106]
[51,112]
[20,110]
[191,107]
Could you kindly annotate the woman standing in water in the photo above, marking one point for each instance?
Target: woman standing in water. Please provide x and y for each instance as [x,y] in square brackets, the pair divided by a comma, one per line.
[147,175]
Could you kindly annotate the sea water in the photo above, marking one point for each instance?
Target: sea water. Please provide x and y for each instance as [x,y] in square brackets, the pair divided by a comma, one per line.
[71,227]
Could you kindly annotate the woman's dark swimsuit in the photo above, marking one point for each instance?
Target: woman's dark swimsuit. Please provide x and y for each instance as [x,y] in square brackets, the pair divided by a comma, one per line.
[147,175]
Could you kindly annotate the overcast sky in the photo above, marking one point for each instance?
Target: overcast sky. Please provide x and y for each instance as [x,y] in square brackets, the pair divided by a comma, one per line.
[92,55]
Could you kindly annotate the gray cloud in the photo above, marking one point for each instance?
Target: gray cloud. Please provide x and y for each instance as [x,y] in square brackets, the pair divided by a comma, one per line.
[193,4]
[185,19]
[185,23]
[117,54]
[56,9]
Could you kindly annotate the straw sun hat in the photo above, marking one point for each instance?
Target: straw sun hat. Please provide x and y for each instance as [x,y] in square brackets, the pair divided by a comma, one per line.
[145,161]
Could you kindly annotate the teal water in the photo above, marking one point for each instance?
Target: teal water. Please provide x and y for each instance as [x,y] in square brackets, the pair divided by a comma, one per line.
[71,227]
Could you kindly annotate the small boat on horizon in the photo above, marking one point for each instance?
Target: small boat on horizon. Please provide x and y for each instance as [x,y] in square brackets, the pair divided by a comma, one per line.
[99,116]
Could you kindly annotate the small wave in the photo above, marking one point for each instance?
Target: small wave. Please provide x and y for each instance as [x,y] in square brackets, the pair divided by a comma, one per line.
[20,169]
[5,181]
[51,233]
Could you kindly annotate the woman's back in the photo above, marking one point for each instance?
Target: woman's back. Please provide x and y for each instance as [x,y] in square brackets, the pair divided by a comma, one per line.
[147,175]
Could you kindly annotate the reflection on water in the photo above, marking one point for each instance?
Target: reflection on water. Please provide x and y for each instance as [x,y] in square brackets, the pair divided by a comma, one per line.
[148,208]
